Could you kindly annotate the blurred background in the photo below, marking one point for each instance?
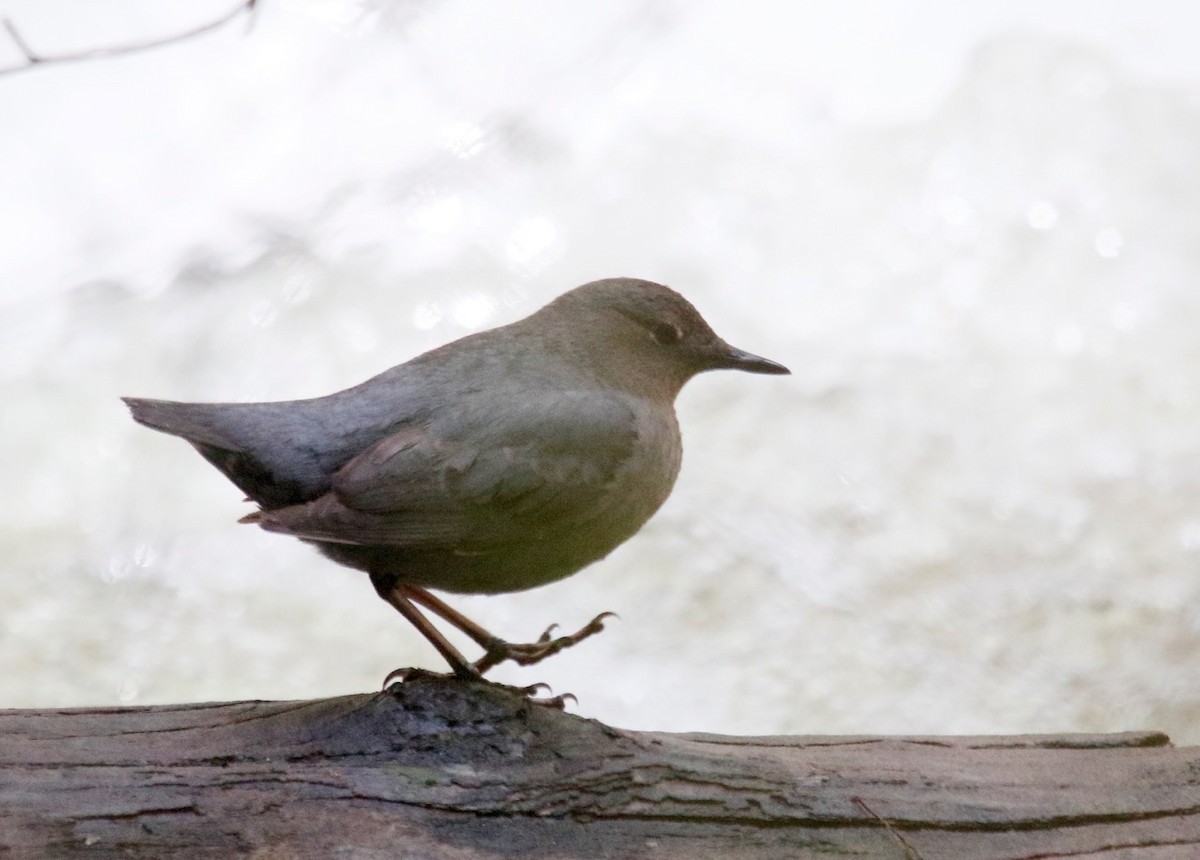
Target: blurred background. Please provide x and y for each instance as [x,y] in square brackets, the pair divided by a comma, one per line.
[971,230]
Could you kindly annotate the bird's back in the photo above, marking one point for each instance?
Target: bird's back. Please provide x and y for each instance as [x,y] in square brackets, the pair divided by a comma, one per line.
[286,452]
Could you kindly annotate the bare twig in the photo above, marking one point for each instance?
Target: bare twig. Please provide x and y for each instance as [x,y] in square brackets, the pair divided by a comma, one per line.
[34,58]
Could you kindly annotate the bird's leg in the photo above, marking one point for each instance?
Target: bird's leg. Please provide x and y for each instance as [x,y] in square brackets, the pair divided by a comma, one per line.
[496,649]
[397,596]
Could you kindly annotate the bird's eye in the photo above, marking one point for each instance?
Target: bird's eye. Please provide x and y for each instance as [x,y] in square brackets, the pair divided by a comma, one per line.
[666,334]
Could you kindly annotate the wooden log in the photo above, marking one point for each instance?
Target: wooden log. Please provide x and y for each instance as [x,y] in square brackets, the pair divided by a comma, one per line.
[441,769]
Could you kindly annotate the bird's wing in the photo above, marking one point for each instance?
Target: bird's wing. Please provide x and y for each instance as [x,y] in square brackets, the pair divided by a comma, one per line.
[531,468]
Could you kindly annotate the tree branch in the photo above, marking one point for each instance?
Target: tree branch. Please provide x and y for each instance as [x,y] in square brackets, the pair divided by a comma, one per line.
[440,768]
[33,58]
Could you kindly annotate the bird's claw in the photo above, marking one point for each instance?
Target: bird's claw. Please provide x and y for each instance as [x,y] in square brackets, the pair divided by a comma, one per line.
[402,674]
[528,653]
[530,692]
[409,673]
[557,702]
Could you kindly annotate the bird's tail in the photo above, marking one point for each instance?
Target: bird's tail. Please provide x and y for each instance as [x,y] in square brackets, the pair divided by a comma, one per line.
[195,422]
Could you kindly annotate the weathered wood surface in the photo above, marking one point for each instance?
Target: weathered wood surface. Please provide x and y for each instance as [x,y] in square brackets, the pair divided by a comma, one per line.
[442,769]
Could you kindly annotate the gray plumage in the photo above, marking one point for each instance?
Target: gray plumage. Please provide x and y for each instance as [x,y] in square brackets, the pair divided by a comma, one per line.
[504,460]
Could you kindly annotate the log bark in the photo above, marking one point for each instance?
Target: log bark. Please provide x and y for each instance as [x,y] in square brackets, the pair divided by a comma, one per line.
[441,769]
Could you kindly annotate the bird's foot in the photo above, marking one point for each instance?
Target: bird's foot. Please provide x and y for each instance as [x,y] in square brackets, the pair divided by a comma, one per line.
[528,653]
[531,692]
[411,673]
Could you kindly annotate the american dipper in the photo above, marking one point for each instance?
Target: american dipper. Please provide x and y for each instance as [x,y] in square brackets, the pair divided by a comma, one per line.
[502,461]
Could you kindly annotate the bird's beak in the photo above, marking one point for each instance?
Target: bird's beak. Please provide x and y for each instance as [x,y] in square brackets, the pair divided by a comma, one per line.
[738,359]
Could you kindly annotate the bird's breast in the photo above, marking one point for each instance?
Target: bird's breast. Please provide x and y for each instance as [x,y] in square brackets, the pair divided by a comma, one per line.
[643,482]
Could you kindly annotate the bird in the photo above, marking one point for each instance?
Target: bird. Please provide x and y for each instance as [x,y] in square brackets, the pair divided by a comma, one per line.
[504,460]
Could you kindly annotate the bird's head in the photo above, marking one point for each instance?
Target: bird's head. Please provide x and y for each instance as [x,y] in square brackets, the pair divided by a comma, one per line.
[644,335]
